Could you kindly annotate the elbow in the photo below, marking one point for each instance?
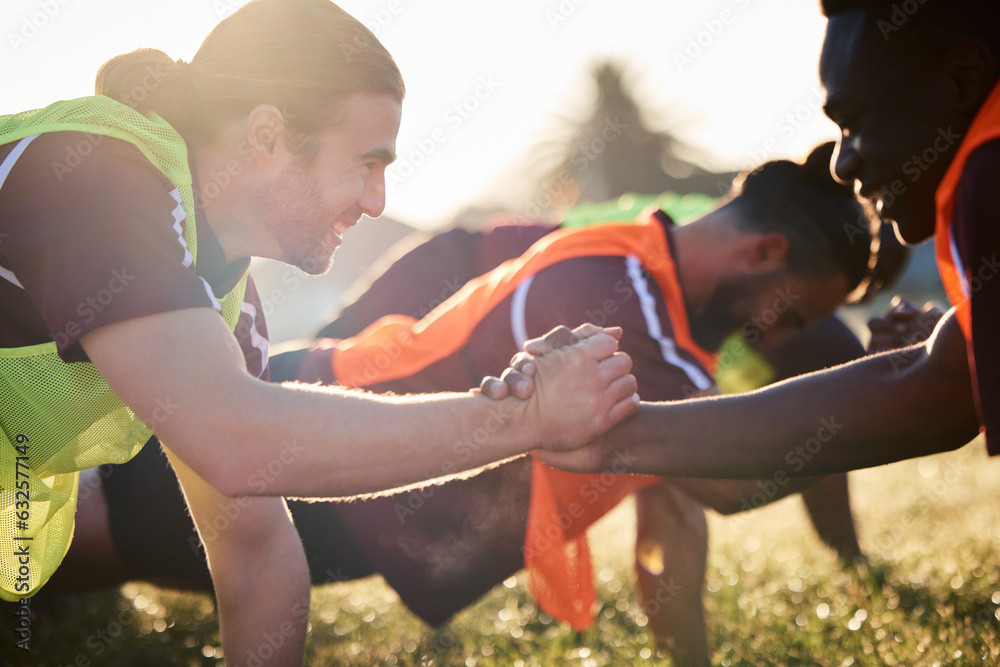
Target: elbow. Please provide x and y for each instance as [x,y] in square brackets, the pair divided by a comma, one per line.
[228,480]
[220,452]
[237,472]
[225,466]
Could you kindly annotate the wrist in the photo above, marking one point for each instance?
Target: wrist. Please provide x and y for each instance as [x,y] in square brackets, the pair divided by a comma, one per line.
[525,426]
[503,428]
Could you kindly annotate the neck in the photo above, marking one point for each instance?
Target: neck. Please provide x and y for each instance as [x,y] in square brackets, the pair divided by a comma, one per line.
[221,188]
[700,249]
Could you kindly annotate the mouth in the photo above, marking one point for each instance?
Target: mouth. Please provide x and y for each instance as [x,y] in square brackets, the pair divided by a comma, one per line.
[878,194]
[341,226]
[873,192]
[335,234]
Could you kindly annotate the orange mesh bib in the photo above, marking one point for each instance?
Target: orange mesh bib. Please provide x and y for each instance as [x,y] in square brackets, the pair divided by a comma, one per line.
[985,127]
[558,561]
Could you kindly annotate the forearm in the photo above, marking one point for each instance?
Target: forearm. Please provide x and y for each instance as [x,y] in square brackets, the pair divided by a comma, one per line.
[335,442]
[258,569]
[263,599]
[731,496]
[866,413]
[245,436]
[671,549]
[829,505]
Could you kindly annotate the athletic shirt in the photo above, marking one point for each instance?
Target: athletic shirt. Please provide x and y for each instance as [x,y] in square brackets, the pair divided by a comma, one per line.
[612,270]
[967,245]
[92,233]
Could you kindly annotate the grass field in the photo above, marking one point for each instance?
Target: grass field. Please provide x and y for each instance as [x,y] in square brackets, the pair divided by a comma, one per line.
[775,595]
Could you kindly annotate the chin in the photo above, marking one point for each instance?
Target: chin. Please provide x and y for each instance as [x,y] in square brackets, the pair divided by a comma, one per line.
[912,232]
[313,264]
[314,268]
[911,228]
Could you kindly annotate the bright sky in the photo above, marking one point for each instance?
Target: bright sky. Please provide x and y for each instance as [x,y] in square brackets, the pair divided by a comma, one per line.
[486,82]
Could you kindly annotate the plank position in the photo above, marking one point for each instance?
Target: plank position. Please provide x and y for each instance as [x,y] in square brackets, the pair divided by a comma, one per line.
[128,308]
[442,547]
[919,112]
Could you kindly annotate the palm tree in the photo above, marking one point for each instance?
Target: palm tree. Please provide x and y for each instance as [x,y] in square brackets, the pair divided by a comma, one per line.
[614,151]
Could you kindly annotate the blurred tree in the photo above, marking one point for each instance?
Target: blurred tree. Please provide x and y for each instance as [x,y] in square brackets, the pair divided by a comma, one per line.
[615,151]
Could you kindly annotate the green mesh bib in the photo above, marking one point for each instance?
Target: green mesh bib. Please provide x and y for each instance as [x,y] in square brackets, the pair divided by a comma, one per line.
[57,419]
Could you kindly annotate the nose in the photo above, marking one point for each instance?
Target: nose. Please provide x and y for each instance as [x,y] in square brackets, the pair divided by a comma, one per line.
[845,162]
[372,200]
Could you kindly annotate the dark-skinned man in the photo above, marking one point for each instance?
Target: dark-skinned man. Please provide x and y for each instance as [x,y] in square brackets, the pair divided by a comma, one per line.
[919,112]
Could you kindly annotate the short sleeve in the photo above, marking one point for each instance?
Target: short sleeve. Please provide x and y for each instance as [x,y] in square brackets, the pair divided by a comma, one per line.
[616,291]
[251,333]
[94,235]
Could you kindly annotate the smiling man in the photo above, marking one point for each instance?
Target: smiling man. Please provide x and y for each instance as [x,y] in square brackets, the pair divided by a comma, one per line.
[770,260]
[919,112]
[272,142]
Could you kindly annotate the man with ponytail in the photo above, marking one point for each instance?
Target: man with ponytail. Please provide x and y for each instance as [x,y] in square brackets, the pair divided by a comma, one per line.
[794,243]
[128,308]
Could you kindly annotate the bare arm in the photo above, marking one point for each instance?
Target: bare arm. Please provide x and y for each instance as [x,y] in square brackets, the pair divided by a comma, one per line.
[879,409]
[183,371]
[258,569]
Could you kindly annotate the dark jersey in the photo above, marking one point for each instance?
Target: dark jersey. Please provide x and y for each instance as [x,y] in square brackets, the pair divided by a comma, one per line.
[443,546]
[976,230]
[98,239]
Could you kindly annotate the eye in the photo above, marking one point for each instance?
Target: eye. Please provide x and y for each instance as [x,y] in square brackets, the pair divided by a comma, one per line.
[846,117]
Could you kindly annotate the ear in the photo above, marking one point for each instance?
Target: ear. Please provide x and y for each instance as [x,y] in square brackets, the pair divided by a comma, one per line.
[767,253]
[265,131]
[971,68]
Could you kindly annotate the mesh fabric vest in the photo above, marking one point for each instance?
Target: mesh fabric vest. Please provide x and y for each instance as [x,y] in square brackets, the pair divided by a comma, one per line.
[985,128]
[58,418]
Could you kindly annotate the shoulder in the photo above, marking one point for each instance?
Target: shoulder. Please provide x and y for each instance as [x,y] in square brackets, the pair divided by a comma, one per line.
[977,204]
[981,169]
[67,166]
[70,156]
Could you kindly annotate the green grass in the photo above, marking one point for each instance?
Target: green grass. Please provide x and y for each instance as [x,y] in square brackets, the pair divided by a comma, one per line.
[775,596]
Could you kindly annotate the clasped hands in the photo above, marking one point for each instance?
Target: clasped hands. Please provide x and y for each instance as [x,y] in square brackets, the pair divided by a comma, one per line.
[578,380]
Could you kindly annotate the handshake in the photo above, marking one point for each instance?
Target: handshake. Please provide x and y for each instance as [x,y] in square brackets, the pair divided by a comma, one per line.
[574,385]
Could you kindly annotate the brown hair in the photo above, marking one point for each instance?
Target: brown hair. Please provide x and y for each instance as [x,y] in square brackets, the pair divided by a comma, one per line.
[305,57]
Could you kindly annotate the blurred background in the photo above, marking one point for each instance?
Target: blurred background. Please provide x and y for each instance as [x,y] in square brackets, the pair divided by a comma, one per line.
[525,106]
[528,107]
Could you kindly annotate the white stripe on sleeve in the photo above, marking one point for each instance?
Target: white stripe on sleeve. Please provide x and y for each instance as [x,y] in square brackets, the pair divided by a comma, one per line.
[256,340]
[667,346]
[518,313]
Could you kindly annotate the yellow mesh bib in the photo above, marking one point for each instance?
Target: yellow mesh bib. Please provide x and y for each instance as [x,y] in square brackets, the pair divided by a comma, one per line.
[57,418]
